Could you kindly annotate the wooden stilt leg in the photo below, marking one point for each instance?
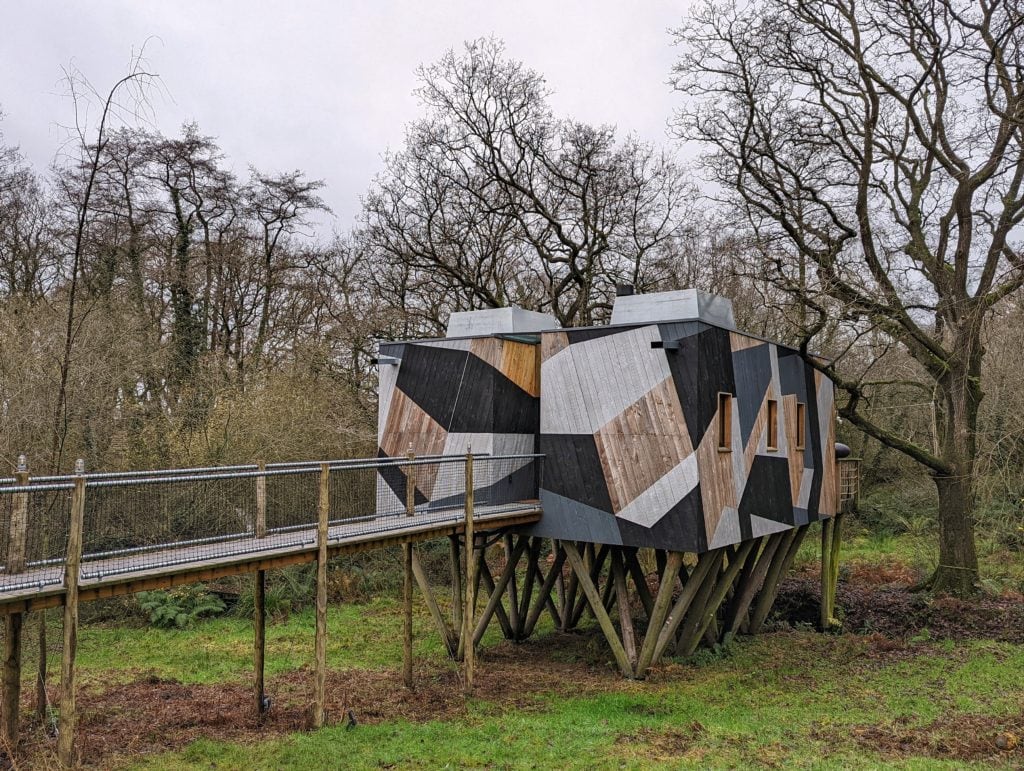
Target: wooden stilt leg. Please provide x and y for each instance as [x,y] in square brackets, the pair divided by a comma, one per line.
[410,511]
[446,632]
[512,589]
[834,562]
[776,572]
[594,598]
[12,679]
[750,584]
[697,584]
[42,700]
[532,567]
[618,578]
[456,572]
[407,615]
[544,598]
[827,529]
[469,651]
[689,645]
[659,611]
[259,623]
[568,609]
[498,589]
[594,567]
[639,580]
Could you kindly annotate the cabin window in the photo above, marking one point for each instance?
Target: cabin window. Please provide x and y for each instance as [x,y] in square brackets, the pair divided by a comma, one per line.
[773,425]
[801,424]
[724,422]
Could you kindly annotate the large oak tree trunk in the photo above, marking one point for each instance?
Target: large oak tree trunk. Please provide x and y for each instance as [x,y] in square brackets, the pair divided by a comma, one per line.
[957,571]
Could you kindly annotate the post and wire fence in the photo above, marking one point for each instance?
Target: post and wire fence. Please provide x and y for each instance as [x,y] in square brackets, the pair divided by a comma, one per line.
[152,521]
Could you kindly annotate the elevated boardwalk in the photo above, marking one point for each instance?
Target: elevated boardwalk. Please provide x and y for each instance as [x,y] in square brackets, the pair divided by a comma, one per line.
[43,587]
[39,517]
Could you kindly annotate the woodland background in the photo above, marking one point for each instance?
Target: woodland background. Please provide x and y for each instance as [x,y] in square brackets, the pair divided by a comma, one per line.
[158,310]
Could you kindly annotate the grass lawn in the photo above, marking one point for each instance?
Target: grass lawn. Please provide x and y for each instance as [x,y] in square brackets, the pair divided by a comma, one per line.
[156,699]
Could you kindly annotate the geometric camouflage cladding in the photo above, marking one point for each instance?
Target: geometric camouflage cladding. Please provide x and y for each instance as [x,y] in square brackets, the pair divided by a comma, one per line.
[446,395]
[630,435]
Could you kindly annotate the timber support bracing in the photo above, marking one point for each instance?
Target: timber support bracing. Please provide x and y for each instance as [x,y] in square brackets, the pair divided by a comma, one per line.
[643,614]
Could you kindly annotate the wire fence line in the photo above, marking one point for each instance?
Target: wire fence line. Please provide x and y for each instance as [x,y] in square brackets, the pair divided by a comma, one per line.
[144,521]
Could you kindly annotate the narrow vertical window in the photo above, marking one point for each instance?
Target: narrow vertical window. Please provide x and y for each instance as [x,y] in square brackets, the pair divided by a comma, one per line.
[801,424]
[724,422]
[773,424]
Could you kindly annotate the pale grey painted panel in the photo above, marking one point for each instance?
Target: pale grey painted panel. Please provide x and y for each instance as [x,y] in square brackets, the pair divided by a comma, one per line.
[494,321]
[679,305]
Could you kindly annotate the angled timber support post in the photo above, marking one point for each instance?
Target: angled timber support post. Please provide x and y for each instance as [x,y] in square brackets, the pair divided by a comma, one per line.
[468,625]
[72,575]
[410,511]
[259,620]
[618,579]
[448,636]
[457,590]
[320,678]
[544,598]
[659,612]
[593,598]
[690,603]
[777,570]
[496,591]
[717,596]
[750,583]
[13,622]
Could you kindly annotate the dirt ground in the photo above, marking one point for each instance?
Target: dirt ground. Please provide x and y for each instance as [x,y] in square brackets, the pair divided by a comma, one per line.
[149,714]
[878,600]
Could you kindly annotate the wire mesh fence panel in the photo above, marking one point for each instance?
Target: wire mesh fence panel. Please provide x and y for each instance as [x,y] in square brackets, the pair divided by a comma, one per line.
[353,495]
[292,499]
[35,535]
[138,524]
[6,513]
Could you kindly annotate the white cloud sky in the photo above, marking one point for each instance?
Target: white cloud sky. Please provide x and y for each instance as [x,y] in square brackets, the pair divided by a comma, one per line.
[326,86]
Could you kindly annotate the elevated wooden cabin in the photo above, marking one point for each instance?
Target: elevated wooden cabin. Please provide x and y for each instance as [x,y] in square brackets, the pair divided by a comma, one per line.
[667,428]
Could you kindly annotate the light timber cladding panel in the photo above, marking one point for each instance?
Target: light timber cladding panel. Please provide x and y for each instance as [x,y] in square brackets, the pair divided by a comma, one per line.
[631,433]
[445,396]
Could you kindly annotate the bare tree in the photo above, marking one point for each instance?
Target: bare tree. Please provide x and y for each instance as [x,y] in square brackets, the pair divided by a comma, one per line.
[494,200]
[874,150]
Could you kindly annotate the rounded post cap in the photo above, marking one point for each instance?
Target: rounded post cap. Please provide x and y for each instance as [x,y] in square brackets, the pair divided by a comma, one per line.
[79,466]
[22,463]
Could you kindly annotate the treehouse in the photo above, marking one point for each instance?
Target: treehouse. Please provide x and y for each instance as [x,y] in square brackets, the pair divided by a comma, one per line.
[667,428]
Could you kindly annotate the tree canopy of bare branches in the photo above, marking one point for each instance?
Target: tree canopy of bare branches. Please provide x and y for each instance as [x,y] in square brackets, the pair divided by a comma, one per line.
[873,152]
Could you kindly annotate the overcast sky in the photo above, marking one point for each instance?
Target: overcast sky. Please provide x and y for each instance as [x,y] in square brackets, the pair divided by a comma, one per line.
[325,86]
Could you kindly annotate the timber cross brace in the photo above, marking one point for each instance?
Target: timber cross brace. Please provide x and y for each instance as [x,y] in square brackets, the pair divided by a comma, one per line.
[667,608]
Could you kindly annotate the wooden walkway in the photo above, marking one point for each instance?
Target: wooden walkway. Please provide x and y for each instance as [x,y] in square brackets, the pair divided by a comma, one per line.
[170,566]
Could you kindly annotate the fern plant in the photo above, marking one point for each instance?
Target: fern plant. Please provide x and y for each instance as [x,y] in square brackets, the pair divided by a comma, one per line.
[180,608]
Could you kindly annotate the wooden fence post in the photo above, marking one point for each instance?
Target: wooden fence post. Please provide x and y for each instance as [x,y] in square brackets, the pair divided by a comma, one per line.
[13,622]
[260,526]
[469,654]
[320,685]
[72,575]
[410,511]
[259,602]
